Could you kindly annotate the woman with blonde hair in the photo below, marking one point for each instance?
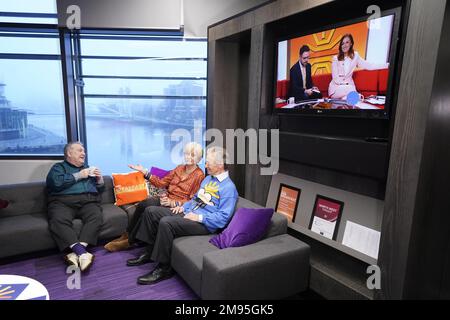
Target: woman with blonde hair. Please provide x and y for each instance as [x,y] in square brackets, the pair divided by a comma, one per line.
[181,183]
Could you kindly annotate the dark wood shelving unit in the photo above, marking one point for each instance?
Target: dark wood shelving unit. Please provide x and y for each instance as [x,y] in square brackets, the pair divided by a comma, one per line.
[241,57]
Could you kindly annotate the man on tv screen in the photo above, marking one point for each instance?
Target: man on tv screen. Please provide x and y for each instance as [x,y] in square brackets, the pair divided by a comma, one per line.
[301,86]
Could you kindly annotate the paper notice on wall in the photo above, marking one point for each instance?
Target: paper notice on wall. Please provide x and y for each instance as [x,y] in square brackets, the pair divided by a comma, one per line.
[362,239]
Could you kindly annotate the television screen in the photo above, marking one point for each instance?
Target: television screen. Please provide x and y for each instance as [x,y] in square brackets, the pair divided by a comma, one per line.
[338,70]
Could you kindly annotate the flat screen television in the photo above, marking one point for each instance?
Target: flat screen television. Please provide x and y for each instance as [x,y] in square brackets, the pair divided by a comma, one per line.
[345,69]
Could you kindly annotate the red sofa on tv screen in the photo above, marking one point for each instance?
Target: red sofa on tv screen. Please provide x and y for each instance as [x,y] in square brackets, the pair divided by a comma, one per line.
[368,82]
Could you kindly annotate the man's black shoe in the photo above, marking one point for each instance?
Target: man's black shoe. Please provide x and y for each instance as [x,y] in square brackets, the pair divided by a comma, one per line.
[156,275]
[142,259]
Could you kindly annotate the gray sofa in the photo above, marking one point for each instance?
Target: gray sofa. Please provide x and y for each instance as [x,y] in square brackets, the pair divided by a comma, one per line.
[275,267]
[24,223]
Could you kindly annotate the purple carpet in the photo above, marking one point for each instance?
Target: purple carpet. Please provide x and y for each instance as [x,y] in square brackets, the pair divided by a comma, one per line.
[108,279]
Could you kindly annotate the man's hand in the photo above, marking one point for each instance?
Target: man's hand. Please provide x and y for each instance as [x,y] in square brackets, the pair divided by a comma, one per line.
[98,174]
[84,174]
[138,167]
[309,92]
[192,216]
[177,210]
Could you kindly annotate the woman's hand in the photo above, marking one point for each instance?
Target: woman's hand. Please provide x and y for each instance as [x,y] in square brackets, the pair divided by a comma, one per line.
[166,202]
[138,167]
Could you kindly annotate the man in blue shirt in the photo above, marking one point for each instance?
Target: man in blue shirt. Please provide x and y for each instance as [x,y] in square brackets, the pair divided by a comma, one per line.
[210,210]
[73,192]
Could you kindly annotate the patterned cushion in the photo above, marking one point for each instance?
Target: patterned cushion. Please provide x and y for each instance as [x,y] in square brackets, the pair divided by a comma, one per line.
[160,173]
[152,190]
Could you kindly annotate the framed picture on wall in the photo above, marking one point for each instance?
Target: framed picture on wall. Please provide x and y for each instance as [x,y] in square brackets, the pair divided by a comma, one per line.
[287,201]
[326,216]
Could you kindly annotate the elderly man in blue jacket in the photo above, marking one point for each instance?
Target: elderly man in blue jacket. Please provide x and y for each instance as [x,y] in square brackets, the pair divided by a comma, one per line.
[210,210]
[73,192]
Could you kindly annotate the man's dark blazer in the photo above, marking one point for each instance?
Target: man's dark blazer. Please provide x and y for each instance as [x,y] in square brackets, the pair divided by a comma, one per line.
[296,82]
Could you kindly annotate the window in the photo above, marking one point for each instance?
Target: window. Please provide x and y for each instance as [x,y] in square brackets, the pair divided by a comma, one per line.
[131,90]
[28,11]
[32,120]
[137,91]
[32,112]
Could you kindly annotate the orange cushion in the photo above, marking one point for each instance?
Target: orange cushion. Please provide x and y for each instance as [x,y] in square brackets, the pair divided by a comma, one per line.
[129,188]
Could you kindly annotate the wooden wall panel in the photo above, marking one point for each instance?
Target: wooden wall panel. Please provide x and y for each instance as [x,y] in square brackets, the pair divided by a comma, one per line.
[419,132]
[421,47]
[428,271]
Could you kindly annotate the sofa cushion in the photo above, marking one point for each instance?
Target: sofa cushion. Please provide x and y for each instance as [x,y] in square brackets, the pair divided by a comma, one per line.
[366,82]
[282,89]
[322,81]
[115,222]
[129,209]
[187,258]
[24,198]
[108,191]
[383,78]
[247,226]
[278,226]
[244,203]
[24,233]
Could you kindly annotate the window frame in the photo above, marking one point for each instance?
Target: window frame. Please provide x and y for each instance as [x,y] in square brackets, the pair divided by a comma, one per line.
[53,32]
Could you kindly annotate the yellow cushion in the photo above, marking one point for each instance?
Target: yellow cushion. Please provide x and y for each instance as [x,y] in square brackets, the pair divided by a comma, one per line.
[129,188]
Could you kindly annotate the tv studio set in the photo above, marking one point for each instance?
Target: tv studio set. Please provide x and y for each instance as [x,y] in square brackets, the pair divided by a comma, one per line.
[192,151]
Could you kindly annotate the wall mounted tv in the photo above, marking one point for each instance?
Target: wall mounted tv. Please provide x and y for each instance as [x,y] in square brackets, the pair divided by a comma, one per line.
[345,69]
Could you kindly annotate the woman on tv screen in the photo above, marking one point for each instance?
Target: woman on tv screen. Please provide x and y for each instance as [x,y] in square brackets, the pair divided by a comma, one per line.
[343,66]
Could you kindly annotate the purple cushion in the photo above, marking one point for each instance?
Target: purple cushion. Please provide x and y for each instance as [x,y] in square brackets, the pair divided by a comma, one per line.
[160,173]
[246,227]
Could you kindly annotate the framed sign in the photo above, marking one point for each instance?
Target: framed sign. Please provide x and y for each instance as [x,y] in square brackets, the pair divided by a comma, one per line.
[326,216]
[287,201]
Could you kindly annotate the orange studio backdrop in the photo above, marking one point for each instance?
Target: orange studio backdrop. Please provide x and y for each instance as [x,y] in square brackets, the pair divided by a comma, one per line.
[324,45]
